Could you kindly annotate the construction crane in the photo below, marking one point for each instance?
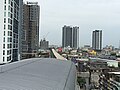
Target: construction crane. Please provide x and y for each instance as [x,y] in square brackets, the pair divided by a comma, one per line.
[46,35]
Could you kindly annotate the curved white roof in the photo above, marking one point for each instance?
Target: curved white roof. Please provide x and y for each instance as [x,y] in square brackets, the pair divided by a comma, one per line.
[57,55]
[38,74]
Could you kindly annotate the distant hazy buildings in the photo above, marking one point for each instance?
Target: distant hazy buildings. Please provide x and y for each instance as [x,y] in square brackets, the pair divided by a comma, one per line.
[97,40]
[30,42]
[70,36]
[44,44]
[9,33]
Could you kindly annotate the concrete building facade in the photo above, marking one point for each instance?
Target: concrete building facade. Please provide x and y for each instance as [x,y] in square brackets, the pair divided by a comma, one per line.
[70,36]
[97,40]
[9,33]
[44,44]
[20,29]
[31,15]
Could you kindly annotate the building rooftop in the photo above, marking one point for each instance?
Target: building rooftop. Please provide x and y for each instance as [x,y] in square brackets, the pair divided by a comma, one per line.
[32,3]
[117,73]
[38,74]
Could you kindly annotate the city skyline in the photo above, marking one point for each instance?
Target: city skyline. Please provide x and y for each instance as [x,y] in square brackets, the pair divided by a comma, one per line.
[88,15]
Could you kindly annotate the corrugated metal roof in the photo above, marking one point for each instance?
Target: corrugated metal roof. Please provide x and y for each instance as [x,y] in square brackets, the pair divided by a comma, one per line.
[38,74]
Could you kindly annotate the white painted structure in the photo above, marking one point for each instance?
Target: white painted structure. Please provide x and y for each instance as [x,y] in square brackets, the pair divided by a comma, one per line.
[110,63]
[57,55]
[9,30]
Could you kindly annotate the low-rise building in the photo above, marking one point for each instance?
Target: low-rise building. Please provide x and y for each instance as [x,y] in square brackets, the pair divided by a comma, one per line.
[110,81]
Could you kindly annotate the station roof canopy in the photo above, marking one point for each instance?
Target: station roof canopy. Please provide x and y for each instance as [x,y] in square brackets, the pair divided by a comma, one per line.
[38,74]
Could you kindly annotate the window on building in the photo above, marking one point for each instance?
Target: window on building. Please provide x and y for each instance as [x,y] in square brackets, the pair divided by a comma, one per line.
[4,33]
[10,51]
[10,33]
[3,59]
[7,58]
[3,45]
[3,52]
[9,27]
[9,7]
[4,39]
[8,46]
[17,36]
[4,20]
[14,41]
[11,10]
[10,57]
[9,21]
[5,7]
[7,52]
[13,45]
[4,27]
[14,35]
[12,4]
[8,39]
[9,14]
[5,1]
[9,2]
[4,14]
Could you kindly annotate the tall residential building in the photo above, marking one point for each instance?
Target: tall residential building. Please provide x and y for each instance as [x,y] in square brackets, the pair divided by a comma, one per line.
[70,36]
[31,15]
[97,40]
[9,33]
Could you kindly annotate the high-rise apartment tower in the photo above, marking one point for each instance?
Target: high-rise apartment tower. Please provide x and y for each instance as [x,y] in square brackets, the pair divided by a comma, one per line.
[10,11]
[97,40]
[31,12]
[70,36]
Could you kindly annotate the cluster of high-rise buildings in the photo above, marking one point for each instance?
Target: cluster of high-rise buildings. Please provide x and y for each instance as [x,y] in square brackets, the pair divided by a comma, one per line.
[19,34]
[70,38]
[19,31]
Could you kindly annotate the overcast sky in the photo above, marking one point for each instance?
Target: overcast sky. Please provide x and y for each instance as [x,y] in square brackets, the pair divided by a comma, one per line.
[87,14]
